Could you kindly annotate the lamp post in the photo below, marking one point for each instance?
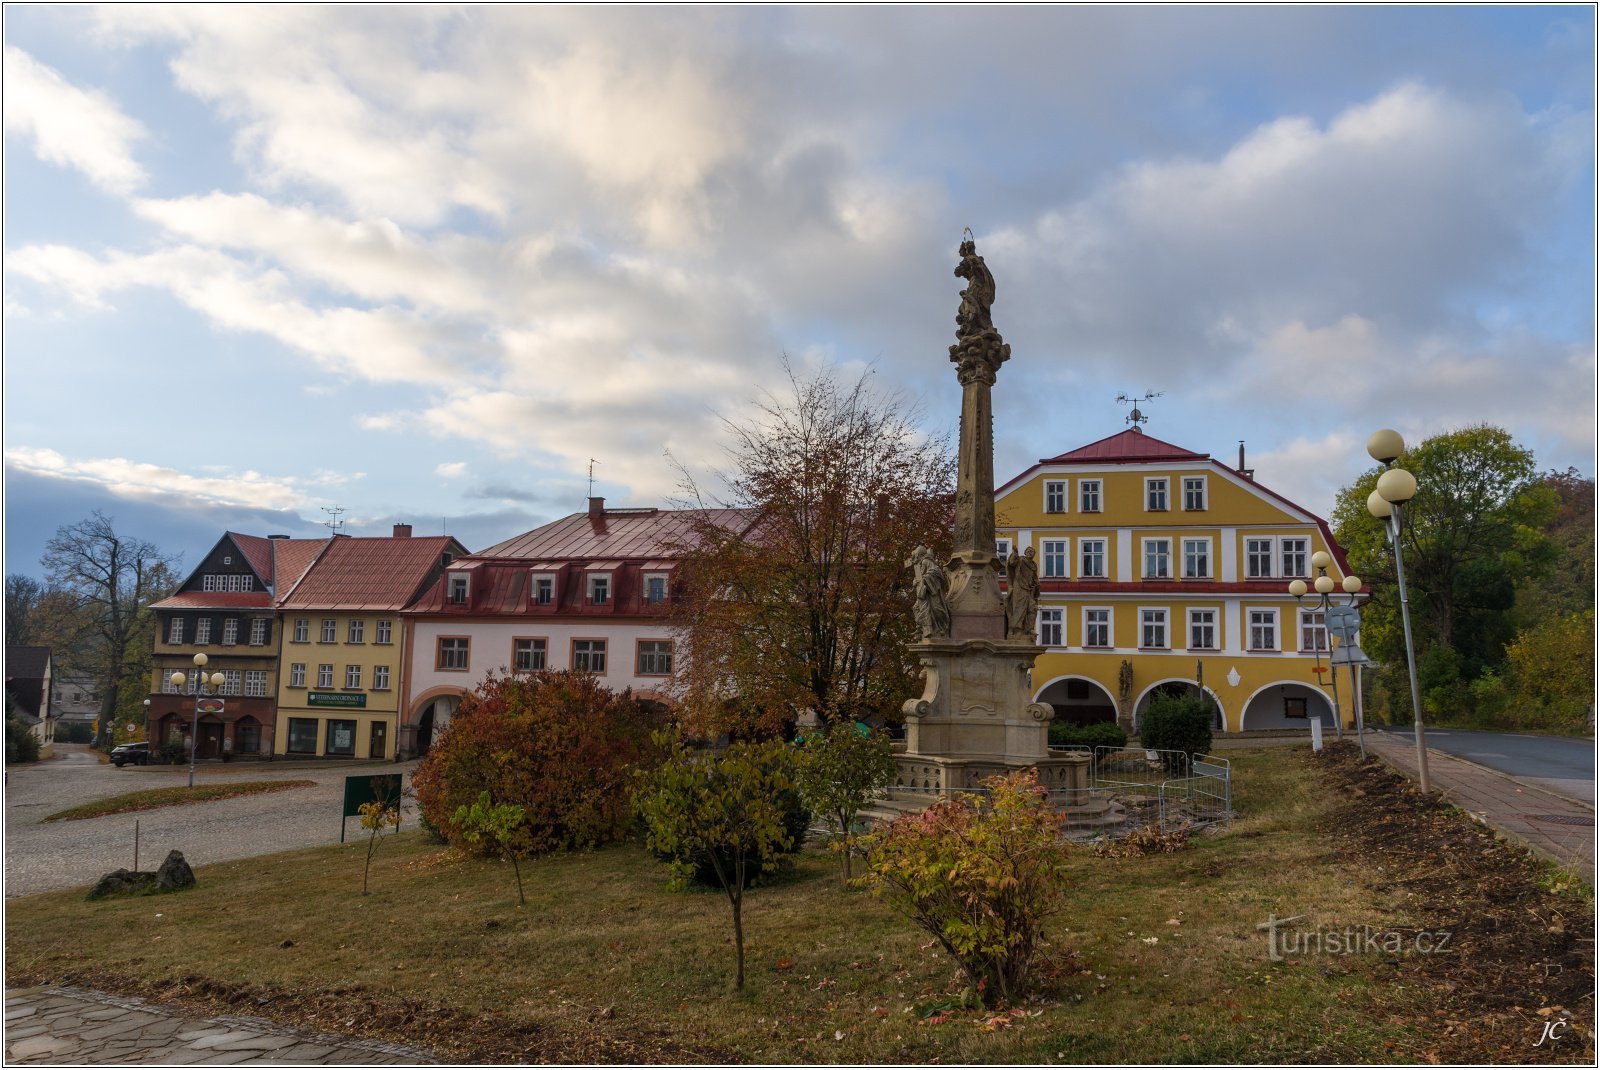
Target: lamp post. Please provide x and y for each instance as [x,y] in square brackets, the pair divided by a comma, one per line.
[1396,486]
[1324,586]
[200,691]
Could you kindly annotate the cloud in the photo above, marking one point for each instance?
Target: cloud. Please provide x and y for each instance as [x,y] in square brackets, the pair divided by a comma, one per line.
[72,127]
[140,480]
[451,470]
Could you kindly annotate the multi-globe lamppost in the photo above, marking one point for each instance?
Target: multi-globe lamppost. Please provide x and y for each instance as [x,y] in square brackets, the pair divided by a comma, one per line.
[200,692]
[1324,587]
[1396,487]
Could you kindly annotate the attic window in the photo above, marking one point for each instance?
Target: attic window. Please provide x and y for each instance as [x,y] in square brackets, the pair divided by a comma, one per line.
[227,560]
[458,588]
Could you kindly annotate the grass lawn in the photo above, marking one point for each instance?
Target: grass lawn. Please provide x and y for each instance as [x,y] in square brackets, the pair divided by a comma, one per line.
[605,965]
[156,798]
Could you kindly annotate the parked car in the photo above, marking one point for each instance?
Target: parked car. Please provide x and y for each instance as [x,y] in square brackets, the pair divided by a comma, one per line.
[137,753]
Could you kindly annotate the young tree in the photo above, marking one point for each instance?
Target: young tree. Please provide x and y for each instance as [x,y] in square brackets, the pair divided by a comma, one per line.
[723,808]
[375,817]
[496,825]
[804,608]
[839,772]
[113,581]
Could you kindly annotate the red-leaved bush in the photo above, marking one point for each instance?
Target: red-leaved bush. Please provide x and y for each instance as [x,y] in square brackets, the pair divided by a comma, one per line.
[558,744]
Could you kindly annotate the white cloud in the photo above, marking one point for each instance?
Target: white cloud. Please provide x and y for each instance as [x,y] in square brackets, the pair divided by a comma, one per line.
[451,469]
[77,128]
[139,480]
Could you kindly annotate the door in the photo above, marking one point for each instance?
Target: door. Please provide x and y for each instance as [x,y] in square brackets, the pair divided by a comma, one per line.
[380,740]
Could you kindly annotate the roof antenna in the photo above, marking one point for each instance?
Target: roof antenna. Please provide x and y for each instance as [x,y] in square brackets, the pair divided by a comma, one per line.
[592,463]
[1136,417]
[333,524]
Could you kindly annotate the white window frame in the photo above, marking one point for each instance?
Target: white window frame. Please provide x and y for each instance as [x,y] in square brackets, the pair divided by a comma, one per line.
[1059,488]
[258,631]
[1313,625]
[594,581]
[1110,626]
[1098,486]
[352,677]
[1206,558]
[1304,554]
[232,682]
[1271,616]
[202,631]
[1194,622]
[543,583]
[1205,494]
[1085,551]
[1144,558]
[1055,620]
[255,683]
[380,678]
[1150,485]
[1063,553]
[330,630]
[175,632]
[460,584]
[1250,556]
[302,630]
[356,631]
[297,674]
[230,631]
[1164,624]
[1002,548]
[653,577]
[385,634]
[325,674]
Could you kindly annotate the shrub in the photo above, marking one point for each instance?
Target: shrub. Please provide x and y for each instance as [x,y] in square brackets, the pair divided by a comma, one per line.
[558,744]
[21,744]
[74,732]
[1178,723]
[1099,734]
[1552,670]
[839,773]
[499,826]
[722,809]
[980,878]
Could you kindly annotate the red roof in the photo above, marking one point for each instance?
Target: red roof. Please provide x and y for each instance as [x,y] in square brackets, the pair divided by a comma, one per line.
[370,573]
[290,559]
[257,551]
[1126,447]
[216,600]
[619,533]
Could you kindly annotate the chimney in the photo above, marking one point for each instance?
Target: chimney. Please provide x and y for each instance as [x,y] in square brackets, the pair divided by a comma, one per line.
[1248,473]
[402,531]
[597,508]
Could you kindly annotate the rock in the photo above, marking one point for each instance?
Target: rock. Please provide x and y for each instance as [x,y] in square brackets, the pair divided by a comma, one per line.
[174,873]
[121,882]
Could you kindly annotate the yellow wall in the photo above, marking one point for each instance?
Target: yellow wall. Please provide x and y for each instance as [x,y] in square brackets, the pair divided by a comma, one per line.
[381,705]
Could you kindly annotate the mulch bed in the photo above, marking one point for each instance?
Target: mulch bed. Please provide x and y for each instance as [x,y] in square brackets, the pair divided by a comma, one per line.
[1521,954]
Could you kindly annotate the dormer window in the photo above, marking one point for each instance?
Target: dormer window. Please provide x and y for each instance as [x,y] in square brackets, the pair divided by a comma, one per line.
[655,589]
[544,590]
[599,588]
[458,588]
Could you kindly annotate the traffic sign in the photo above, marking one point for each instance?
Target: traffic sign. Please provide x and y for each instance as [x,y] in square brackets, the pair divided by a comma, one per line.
[1343,621]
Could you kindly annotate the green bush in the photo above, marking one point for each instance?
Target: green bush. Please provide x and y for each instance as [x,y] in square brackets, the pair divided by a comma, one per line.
[840,771]
[1099,734]
[21,744]
[1178,723]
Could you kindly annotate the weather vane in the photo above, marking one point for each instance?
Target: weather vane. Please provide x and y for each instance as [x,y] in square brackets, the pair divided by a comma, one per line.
[1136,417]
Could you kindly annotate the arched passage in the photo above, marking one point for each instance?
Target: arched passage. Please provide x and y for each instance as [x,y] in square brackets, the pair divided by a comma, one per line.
[1178,686]
[1286,704]
[429,714]
[1078,700]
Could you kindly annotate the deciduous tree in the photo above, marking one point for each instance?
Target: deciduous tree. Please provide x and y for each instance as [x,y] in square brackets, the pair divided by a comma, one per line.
[840,771]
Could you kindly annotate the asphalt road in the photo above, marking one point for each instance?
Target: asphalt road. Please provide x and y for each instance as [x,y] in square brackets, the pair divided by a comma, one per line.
[64,854]
[1559,764]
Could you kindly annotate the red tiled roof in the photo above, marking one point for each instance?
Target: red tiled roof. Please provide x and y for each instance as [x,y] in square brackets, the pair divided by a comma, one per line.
[625,533]
[257,552]
[216,600]
[1126,447]
[369,573]
[290,559]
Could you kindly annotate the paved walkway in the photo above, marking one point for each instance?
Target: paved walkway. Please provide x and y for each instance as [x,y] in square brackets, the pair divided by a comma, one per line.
[1550,825]
[79,1027]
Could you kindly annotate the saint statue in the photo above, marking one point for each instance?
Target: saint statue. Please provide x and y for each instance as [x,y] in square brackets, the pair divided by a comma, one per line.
[930,606]
[1022,594]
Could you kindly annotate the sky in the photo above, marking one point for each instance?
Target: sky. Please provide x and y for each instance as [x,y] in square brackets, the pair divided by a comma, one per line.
[425,264]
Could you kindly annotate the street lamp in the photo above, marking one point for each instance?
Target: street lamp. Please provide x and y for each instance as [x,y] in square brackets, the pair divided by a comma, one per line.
[1396,486]
[200,681]
[1324,587]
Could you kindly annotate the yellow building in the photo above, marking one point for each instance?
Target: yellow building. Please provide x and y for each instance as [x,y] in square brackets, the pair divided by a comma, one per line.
[342,665]
[1163,569]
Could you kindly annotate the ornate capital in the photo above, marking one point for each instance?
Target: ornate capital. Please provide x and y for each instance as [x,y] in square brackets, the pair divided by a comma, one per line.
[978,358]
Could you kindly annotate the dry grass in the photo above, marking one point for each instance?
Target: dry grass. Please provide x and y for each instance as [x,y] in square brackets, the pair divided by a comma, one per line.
[1169,964]
[156,798]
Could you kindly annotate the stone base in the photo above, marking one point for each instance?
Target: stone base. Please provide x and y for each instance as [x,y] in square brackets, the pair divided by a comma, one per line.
[976,702]
[921,780]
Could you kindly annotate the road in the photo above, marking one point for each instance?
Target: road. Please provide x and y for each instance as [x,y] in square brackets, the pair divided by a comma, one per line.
[65,854]
[1556,763]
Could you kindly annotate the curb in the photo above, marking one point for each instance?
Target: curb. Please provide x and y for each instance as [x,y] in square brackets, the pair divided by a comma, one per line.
[1523,784]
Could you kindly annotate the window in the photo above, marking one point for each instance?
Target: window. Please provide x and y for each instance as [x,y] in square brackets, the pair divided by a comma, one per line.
[655,657]
[230,631]
[1194,492]
[352,677]
[1202,629]
[357,632]
[202,631]
[1258,559]
[380,678]
[341,737]
[527,655]
[599,588]
[330,631]
[1155,494]
[297,674]
[1263,629]
[544,590]
[1196,559]
[232,682]
[1055,558]
[458,588]
[1055,495]
[1097,627]
[453,654]
[258,631]
[175,631]
[1093,553]
[1157,559]
[589,655]
[655,590]
[1050,627]
[1313,631]
[385,632]
[167,686]
[1294,707]
[1089,495]
[303,735]
[1002,549]
[1295,557]
[255,683]
[302,630]
[1153,628]
[325,675]
[208,582]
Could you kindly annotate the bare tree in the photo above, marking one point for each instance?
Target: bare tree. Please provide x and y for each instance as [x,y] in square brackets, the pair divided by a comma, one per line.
[113,581]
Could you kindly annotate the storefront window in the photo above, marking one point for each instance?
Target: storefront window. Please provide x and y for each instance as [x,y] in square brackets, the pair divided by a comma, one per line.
[302,735]
[341,737]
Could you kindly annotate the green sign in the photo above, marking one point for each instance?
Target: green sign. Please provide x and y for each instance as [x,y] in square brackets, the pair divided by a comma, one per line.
[380,787]
[334,698]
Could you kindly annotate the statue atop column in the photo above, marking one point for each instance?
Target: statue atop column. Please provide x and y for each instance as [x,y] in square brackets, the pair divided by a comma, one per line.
[979,351]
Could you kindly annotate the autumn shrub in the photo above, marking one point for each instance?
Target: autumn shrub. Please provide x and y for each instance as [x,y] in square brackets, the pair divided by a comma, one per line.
[1552,673]
[1178,723]
[979,874]
[558,744]
[840,771]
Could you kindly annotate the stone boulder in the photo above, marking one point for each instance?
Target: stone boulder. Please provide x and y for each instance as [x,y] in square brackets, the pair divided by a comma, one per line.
[173,875]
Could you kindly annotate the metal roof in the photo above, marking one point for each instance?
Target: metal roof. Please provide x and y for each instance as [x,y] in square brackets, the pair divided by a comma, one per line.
[1126,447]
[216,600]
[617,533]
[383,573]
